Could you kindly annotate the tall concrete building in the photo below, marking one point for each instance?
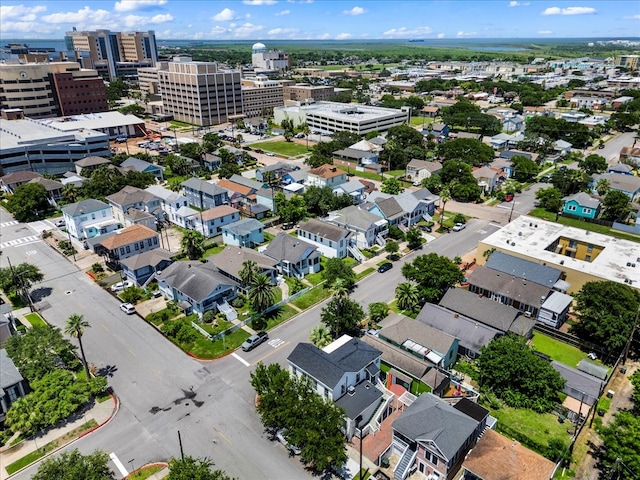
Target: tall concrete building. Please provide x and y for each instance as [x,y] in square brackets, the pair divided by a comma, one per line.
[630,62]
[269,59]
[115,54]
[260,95]
[51,89]
[199,92]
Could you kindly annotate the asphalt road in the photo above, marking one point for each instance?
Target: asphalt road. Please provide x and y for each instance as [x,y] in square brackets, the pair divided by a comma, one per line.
[611,150]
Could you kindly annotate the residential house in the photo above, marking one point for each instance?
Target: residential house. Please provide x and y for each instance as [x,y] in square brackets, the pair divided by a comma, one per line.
[353,188]
[52,187]
[134,197]
[247,182]
[204,195]
[134,216]
[142,268]
[484,310]
[628,184]
[419,205]
[326,176]
[368,229]
[621,169]
[12,384]
[170,202]
[10,181]
[580,386]
[197,287]
[496,457]
[386,206]
[418,170]
[364,153]
[562,147]
[332,241]
[230,262]
[211,162]
[554,309]
[72,178]
[336,368]
[295,177]
[502,141]
[87,165]
[504,167]
[528,270]
[127,242]
[243,233]
[581,205]
[422,341]
[430,111]
[296,258]
[434,437]
[211,222]
[471,334]
[630,153]
[440,131]
[237,153]
[276,170]
[487,178]
[239,195]
[89,218]
[142,166]
[513,123]
[264,198]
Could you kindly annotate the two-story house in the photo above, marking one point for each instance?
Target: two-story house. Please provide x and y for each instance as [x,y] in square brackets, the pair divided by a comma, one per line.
[326,176]
[353,188]
[170,202]
[86,165]
[230,263]
[368,229]
[52,187]
[332,241]
[125,243]
[89,218]
[142,268]
[204,195]
[211,222]
[417,170]
[386,206]
[627,184]
[10,181]
[295,257]
[239,195]
[136,198]
[275,171]
[243,233]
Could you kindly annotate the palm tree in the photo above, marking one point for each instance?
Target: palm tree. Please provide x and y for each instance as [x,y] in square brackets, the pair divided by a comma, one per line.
[192,244]
[307,131]
[75,327]
[261,293]
[320,336]
[175,184]
[407,295]
[445,196]
[603,186]
[249,272]
[340,288]
[71,193]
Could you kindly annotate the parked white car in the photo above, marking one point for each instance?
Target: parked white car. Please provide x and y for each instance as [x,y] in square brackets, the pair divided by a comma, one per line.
[120,286]
[281,438]
[458,226]
[128,308]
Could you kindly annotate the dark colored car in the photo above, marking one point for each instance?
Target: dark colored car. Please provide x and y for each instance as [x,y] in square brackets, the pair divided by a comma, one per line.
[385,266]
[545,178]
[287,226]
[425,228]
[254,340]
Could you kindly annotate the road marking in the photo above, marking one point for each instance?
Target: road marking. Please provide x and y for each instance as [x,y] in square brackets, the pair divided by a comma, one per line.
[495,225]
[103,326]
[240,359]
[271,353]
[481,232]
[32,252]
[21,241]
[118,464]
[8,224]
[132,352]
[276,342]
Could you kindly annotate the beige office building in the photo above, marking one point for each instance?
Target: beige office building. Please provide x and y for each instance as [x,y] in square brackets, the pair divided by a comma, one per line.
[260,95]
[302,92]
[630,62]
[199,92]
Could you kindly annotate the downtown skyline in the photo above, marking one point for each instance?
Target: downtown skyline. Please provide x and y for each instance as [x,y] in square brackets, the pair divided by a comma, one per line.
[325,19]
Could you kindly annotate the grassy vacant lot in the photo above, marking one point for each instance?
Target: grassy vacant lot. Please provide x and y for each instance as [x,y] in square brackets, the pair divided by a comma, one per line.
[312,297]
[35,320]
[592,227]
[285,149]
[557,350]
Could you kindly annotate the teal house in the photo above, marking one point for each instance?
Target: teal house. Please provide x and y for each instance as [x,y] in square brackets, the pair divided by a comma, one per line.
[582,205]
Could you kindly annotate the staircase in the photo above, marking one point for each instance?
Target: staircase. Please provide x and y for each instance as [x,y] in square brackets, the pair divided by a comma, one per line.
[356,253]
[405,464]
[403,228]
[380,241]
[148,281]
[228,311]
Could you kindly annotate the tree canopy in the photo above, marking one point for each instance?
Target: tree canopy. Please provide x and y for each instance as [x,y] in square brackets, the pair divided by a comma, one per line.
[336,268]
[321,200]
[509,368]
[593,164]
[606,311]
[73,465]
[616,205]
[433,274]
[468,150]
[524,168]
[575,133]
[28,202]
[550,199]
[342,315]
[191,468]
[468,115]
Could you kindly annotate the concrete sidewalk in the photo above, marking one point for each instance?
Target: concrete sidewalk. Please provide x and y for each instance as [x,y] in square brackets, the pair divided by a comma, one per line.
[100,412]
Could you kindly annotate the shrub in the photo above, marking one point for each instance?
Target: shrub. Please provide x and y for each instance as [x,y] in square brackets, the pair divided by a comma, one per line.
[132,294]
[239,301]
[186,334]
[459,218]
[208,316]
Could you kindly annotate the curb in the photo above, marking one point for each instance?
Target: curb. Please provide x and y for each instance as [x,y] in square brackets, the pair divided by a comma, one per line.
[115,410]
[144,467]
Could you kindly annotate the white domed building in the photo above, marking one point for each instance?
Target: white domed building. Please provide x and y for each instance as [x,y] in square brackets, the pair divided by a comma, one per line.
[269,60]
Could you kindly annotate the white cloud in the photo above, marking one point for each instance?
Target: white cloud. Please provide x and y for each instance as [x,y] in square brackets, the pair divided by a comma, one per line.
[465,34]
[441,35]
[355,11]
[283,31]
[299,1]
[323,36]
[343,36]
[569,11]
[515,3]
[408,32]
[632,17]
[246,29]
[130,5]
[85,14]
[131,21]
[545,32]
[217,30]
[25,14]
[259,2]
[224,15]
[283,12]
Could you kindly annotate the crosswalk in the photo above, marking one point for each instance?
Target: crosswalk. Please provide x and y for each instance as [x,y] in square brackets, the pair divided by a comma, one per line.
[275,343]
[8,224]
[21,241]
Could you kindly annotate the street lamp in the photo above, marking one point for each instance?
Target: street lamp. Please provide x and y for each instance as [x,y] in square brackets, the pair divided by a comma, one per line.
[358,420]
[130,462]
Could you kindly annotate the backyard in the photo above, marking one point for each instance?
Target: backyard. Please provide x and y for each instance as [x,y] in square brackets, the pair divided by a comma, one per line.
[557,350]
[284,149]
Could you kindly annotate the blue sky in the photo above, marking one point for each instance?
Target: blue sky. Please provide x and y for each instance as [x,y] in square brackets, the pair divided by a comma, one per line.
[325,19]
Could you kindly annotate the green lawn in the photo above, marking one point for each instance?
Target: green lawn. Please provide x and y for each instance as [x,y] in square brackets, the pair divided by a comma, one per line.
[557,350]
[312,297]
[418,120]
[592,227]
[285,149]
[35,320]
[284,313]
[364,273]
[203,348]
[145,473]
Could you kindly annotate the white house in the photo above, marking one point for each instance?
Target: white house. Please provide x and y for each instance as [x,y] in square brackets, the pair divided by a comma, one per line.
[368,229]
[331,240]
[211,222]
[326,176]
[170,203]
[89,218]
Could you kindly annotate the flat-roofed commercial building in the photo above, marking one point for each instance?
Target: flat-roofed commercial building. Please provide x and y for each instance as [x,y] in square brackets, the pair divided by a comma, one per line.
[337,117]
[199,92]
[302,92]
[27,144]
[148,78]
[260,95]
[582,255]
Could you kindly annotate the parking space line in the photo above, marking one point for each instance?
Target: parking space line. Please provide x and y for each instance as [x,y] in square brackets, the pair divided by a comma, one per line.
[240,359]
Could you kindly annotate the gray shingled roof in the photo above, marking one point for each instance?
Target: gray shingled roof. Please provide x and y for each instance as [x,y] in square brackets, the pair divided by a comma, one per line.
[84,206]
[420,333]
[230,259]
[578,383]
[521,268]
[365,395]
[430,418]
[247,182]
[148,258]
[92,161]
[284,247]
[356,217]
[323,229]
[328,368]
[201,186]
[398,358]
[524,291]
[485,310]
[9,374]
[593,369]
[390,208]
[137,164]
[194,279]
[583,199]
[129,195]
[243,227]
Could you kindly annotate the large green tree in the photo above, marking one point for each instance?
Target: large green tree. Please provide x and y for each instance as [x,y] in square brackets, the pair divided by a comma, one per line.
[524,168]
[74,465]
[191,468]
[28,202]
[620,453]
[407,295]
[75,327]
[570,181]
[593,164]
[606,311]
[18,280]
[616,205]
[509,368]
[290,210]
[550,199]
[468,150]
[391,185]
[433,274]
[337,268]
[342,315]
[321,200]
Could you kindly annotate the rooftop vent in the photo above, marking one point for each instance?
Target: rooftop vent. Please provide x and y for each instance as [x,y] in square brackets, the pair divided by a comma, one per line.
[351,390]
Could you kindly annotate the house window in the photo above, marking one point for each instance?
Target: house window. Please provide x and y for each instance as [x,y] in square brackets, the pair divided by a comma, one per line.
[587,258]
[148,242]
[121,251]
[104,213]
[357,377]
[573,243]
[13,395]
[589,248]
[142,245]
[571,208]
[155,240]
[128,249]
[136,245]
